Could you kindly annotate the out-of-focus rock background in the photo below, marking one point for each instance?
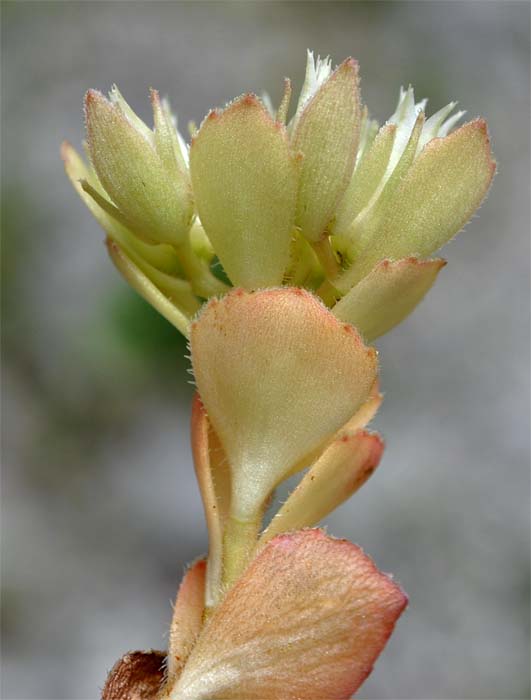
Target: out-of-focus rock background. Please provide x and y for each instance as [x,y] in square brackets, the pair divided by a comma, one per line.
[100,508]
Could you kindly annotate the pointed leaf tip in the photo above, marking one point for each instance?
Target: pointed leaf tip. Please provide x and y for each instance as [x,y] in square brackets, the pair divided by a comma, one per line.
[340,471]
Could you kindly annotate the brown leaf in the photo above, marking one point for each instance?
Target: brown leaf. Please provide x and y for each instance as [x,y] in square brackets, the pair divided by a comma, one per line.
[138,675]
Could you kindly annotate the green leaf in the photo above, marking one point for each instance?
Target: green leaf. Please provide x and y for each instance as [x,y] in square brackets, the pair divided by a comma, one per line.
[316,370]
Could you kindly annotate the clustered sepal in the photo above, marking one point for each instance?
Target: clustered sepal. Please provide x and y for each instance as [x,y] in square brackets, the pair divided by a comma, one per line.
[325,200]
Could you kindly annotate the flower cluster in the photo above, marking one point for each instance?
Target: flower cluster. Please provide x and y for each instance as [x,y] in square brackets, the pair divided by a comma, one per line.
[279,248]
[326,201]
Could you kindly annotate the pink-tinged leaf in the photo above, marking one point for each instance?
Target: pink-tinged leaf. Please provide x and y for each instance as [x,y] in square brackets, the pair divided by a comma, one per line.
[213,476]
[136,676]
[187,619]
[388,294]
[342,469]
[278,375]
[306,621]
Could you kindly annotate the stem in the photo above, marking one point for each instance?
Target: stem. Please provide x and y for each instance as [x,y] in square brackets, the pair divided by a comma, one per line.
[203,282]
[239,541]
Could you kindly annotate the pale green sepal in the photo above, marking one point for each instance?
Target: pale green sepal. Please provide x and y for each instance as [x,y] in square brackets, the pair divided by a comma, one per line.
[365,180]
[368,222]
[155,203]
[245,183]
[387,295]
[283,107]
[378,166]
[167,142]
[116,98]
[161,256]
[87,186]
[183,154]
[317,72]
[368,130]
[327,136]
[138,280]
[391,180]
[434,200]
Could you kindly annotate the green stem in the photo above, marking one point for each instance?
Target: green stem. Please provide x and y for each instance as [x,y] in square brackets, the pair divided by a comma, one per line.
[239,541]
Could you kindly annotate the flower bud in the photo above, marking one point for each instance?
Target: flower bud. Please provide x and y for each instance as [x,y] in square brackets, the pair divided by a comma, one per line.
[326,135]
[141,171]
[413,190]
[324,201]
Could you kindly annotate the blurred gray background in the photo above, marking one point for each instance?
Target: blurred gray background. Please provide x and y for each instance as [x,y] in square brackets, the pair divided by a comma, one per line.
[100,509]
